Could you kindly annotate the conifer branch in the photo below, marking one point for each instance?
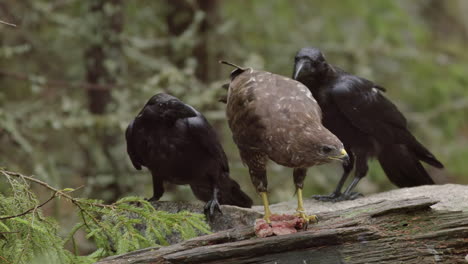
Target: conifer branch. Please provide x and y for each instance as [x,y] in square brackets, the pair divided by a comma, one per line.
[29,210]
[115,228]
[56,191]
[4,259]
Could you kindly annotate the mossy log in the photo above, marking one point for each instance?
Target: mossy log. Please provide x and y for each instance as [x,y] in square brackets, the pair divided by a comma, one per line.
[405,231]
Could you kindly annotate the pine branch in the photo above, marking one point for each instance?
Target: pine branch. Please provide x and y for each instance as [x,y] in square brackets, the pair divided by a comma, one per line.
[115,228]
[55,190]
[29,210]
[56,193]
[4,259]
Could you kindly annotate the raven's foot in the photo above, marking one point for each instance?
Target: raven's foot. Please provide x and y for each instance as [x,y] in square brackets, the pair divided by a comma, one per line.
[152,199]
[326,197]
[210,208]
[338,197]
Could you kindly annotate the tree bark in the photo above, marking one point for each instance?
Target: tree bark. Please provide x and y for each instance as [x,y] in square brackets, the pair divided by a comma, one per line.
[407,231]
[102,59]
[180,16]
[109,28]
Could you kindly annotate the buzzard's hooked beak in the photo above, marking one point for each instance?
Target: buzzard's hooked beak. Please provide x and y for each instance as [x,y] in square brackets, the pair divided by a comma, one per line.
[344,156]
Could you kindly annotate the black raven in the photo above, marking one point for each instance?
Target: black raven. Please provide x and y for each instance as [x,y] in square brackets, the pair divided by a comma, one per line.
[274,117]
[368,124]
[178,145]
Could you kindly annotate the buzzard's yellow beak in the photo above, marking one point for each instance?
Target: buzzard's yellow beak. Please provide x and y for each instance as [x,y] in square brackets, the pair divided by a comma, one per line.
[342,157]
[343,152]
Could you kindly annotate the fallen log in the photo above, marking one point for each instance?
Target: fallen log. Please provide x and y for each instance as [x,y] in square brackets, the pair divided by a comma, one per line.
[385,231]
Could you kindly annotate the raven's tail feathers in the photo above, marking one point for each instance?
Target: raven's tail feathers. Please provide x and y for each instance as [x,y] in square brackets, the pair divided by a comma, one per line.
[232,194]
[229,192]
[422,153]
[403,168]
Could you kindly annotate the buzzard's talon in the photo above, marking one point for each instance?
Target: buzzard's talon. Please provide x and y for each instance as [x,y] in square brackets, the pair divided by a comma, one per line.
[313,219]
[301,212]
[266,206]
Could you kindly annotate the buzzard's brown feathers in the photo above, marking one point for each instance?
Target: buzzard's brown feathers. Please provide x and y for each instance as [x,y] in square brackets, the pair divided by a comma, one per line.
[276,116]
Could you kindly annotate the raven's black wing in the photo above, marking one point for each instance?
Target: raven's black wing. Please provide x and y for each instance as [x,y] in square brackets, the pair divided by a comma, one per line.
[364,105]
[203,133]
[132,145]
[368,109]
[230,192]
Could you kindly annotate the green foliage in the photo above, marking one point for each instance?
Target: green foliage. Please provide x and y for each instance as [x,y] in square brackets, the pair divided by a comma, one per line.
[132,223]
[394,43]
[31,236]
[126,225]
[46,128]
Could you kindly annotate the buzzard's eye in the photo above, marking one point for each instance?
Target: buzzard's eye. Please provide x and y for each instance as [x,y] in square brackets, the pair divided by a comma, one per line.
[326,149]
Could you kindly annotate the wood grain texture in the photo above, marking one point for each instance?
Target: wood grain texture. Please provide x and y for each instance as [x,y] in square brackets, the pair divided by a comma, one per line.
[406,231]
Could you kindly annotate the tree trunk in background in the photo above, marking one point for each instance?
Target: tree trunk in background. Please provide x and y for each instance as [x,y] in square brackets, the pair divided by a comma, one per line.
[103,67]
[206,52]
[109,26]
[180,16]
[447,18]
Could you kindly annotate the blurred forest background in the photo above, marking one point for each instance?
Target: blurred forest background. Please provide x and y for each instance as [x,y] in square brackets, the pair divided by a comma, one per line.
[74,73]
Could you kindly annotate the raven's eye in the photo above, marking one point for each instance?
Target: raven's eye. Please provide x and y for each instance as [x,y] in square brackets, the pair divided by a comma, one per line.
[326,149]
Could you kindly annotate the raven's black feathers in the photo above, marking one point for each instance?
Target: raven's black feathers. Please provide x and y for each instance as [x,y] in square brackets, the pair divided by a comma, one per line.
[402,167]
[369,124]
[178,145]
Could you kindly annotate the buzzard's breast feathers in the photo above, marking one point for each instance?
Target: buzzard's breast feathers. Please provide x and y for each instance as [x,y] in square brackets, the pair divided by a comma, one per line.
[277,116]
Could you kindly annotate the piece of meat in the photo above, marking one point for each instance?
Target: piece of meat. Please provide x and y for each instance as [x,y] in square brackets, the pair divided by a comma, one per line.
[280,225]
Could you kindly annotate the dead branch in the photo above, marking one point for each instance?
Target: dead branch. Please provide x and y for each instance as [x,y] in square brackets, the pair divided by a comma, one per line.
[8,24]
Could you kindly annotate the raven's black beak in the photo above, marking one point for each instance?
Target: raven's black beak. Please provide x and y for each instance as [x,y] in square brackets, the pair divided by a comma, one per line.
[186,111]
[299,68]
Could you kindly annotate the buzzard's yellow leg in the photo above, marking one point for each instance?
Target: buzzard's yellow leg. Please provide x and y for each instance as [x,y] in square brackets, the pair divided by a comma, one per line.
[266,206]
[301,211]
